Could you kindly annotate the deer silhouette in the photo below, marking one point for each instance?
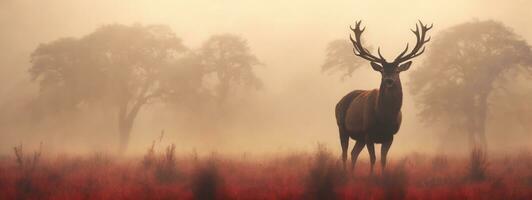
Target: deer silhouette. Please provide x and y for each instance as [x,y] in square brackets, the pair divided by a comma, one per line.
[374,116]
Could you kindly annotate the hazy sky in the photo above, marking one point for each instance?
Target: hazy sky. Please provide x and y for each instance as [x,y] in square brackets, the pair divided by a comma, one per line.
[276,29]
[288,36]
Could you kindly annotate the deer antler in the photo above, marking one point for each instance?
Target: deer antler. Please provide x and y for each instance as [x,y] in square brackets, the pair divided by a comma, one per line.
[359,50]
[420,41]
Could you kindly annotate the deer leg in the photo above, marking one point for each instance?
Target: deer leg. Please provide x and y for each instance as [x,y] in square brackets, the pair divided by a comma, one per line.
[344,141]
[359,145]
[384,152]
[372,158]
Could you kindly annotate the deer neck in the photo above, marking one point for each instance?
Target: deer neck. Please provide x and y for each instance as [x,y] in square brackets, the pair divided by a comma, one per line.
[390,101]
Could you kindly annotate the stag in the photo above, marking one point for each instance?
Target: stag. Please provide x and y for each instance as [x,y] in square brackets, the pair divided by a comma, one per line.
[374,116]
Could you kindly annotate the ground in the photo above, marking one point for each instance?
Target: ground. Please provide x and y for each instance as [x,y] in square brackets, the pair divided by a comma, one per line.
[311,175]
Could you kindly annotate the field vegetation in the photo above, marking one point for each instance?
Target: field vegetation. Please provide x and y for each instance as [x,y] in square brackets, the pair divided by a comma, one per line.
[305,175]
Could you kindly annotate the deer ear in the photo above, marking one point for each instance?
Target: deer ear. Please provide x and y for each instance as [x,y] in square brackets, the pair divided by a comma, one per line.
[376,66]
[404,66]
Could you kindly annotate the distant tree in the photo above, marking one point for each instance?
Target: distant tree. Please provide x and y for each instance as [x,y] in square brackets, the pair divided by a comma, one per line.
[513,99]
[116,65]
[340,57]
[464,63]
[186,81]
[229,58]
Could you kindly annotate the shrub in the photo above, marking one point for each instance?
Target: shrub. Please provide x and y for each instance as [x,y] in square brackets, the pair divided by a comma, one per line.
[207,183]
[440,162]
[164,166]
[26,165]
[395,182]
[324,176]
[477,164]
[150,159]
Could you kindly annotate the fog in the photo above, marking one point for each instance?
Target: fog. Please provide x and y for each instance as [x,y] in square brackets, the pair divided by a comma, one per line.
[295,109]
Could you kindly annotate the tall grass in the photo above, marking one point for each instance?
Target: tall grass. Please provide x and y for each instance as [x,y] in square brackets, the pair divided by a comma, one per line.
[477,164]
[318,175]
[26,165]
[207,183]
[324,176]
[395,182]
[440,162]
[25,162]
[164,165]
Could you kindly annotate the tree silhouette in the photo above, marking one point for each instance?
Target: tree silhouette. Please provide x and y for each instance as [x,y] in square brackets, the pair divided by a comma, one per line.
[462,69]
[186,81]
[229,58]
[117,65]
[340,57]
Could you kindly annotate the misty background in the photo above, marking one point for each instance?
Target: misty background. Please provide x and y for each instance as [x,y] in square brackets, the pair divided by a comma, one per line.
[293,111]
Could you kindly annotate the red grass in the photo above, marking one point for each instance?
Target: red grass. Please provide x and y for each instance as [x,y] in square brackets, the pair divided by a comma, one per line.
[295,176]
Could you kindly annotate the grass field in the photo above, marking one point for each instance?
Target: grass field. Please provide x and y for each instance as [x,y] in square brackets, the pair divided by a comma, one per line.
[312,175]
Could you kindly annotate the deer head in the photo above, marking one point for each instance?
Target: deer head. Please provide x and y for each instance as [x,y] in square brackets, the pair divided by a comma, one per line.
[390,70]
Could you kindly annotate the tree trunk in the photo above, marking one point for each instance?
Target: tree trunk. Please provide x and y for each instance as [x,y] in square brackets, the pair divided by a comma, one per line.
[223,90]
[125,123]
[481,122]
[476,125]
[473,141]
[470,124]
[124,129]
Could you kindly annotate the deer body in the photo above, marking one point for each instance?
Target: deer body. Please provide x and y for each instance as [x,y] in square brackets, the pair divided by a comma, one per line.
[374,116]
[380,118]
